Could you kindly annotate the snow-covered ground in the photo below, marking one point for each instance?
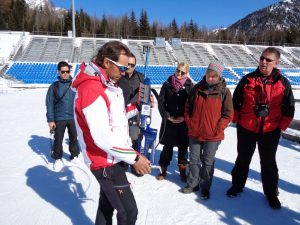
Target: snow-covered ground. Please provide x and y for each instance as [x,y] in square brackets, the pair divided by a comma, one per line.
[31,193]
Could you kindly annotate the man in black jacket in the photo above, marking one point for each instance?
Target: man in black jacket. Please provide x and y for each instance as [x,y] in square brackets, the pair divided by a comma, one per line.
[60,114]
[130,84]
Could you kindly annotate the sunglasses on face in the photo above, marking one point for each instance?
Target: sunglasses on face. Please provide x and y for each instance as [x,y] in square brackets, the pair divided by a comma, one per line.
[121,67]
[262,58]
[64,71]
[132,65]
[179,72]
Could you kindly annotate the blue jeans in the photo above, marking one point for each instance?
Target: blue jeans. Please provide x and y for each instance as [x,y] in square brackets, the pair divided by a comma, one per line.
[202,160]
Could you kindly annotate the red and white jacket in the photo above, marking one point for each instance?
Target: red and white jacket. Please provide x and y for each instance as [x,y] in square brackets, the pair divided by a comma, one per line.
[100,118]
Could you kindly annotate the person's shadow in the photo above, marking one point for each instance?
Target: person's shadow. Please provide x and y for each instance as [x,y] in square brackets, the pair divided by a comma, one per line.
[244,207]
[58,188]
[255,176]
[61,190]
[291,145]
[172,171]
[251,207]
[41,146]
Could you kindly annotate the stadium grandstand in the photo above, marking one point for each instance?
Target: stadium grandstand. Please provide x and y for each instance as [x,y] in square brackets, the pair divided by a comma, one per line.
[27,59]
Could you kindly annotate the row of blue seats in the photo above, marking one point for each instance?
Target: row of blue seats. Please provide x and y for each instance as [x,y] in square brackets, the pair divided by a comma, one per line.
[158,74]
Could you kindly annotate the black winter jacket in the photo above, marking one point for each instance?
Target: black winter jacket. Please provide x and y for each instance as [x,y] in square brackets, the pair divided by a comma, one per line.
[130,86]
[172,103]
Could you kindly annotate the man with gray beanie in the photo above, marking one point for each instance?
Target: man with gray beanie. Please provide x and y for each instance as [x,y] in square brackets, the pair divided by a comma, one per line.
[208,112]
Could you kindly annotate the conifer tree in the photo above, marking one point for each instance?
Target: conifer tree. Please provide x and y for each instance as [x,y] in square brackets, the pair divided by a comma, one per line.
[174,28]
[144,24]
[18,15]
[133,31]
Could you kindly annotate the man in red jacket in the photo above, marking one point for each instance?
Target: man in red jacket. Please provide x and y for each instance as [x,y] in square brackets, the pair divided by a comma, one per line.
[263,106]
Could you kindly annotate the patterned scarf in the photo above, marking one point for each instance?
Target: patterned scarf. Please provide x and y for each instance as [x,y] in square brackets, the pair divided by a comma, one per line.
[178,84]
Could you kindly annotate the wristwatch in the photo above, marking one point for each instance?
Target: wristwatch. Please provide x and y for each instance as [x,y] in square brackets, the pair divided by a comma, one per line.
[137,158]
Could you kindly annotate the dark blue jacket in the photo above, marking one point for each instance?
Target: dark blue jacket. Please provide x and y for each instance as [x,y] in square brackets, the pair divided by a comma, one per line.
[64,109]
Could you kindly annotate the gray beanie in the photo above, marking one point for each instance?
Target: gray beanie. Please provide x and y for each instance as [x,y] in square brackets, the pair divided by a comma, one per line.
[217,67]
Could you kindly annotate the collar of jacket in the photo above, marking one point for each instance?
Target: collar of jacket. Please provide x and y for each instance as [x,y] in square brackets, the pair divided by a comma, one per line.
[275,75]
[64,81]
[203,86]
[94,70]
[130,77]
[187,82]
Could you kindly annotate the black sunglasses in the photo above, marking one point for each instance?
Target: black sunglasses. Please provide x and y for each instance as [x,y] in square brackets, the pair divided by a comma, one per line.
[64,71]
[262,58]
[131,65]
[180,72]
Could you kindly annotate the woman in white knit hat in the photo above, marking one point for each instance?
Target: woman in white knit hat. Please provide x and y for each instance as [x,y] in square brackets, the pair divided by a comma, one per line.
[208,112]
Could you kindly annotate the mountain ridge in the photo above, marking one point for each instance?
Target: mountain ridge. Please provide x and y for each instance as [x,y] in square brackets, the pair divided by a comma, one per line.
[279,16]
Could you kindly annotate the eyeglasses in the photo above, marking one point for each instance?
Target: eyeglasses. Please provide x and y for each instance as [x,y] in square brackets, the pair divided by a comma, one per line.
[121,67]
[131,65]
[64,71]
[262,58]
[181,73]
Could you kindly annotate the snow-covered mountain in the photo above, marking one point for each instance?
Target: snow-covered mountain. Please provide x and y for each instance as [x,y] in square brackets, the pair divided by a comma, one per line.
[36,3]
[279,16]
[43,3]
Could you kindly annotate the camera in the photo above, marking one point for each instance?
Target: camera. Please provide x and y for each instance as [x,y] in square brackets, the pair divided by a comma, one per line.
[52,130]
[261,110]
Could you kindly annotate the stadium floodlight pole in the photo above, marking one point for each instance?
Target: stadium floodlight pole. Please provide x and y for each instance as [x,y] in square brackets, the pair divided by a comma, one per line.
[146,50]
[73,19]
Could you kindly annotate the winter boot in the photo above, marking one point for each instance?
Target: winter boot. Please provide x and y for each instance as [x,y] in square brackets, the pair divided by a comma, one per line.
[205,194]
[182,172]
[163,174]
[233,192]
[273,201]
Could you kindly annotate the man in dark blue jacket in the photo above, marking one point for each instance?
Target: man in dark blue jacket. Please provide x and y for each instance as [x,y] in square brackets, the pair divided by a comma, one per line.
[60,114]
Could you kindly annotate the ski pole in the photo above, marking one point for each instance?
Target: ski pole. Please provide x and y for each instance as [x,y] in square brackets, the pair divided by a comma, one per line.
[52,131]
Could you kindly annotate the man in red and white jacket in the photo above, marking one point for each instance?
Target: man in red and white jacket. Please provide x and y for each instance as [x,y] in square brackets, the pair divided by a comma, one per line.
[103,133]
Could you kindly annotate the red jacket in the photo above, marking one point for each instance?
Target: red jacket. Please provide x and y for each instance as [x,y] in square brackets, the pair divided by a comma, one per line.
[274,92]
[208,112]
[100,118]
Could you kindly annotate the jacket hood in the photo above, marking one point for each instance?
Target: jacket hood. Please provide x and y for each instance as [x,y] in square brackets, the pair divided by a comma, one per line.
[90,71]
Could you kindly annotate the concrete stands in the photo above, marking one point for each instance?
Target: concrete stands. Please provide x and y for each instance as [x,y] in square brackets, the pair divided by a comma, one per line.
[32,59]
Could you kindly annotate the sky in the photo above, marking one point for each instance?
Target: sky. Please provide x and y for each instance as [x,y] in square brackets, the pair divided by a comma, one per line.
[32,193]
[211,14]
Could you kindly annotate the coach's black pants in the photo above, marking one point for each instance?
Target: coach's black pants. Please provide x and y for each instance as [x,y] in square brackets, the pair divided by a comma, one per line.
[267,146]
[115,193]
[57,151]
